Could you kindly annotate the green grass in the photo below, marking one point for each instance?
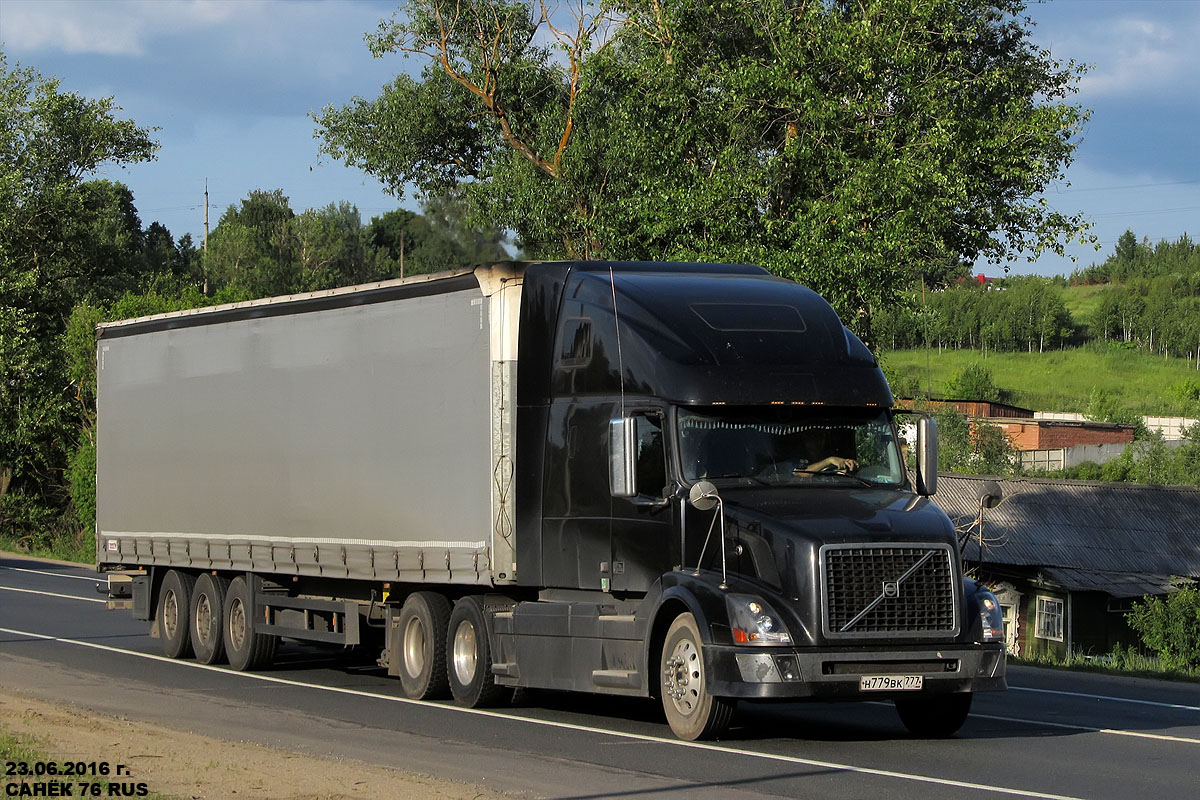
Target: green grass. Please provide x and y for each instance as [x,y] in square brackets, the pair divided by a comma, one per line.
[19,748]
[1054,381]
[1127,663]
[59,549]
[1082,301]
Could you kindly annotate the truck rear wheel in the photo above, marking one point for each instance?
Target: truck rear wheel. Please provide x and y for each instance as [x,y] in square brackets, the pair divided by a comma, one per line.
[691,711]
[208,603]
[470,660]
[934,716]
[246,648]
[419,649]
[174,613]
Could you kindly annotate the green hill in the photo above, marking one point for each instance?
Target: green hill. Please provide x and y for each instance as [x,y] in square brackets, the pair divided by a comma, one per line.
[1055,381]
[1082,301]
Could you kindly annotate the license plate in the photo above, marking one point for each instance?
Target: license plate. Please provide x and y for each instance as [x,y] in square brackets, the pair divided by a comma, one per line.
[890,683]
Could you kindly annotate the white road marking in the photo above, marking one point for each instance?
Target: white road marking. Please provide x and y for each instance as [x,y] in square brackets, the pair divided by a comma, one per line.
[97,579]
[1105,697]
[562,725]
[52,594]
[1113,731]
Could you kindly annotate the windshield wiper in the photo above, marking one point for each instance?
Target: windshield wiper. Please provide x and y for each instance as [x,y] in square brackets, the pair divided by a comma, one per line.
[862,481]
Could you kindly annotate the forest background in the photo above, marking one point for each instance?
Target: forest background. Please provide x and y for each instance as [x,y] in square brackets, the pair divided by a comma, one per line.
[871,150]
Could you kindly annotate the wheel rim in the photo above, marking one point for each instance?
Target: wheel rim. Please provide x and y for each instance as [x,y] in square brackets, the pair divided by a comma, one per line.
[204,617]
[237,624]
[683,677]
[465,656]
[170,614]
[414,647]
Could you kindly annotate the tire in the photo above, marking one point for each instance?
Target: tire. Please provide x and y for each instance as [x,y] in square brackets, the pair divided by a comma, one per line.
[935,716]
[208,604]
[246,648]
[174,614]
[691,711]
[419,647]
[469,661]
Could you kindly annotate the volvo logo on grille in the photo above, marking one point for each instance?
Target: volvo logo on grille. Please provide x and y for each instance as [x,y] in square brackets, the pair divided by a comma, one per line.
[891,588]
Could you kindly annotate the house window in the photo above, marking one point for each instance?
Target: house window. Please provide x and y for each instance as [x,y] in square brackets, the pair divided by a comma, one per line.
[1049,621]
[1011,641]
[1121,605]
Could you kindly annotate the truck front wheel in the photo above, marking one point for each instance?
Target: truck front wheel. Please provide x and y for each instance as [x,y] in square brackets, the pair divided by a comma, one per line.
[245,646]
[419,646]
[174,613]
[934,716]
[691,711]
[470,661]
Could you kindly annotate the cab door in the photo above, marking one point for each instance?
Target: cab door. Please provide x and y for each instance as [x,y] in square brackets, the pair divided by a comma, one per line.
[644,543]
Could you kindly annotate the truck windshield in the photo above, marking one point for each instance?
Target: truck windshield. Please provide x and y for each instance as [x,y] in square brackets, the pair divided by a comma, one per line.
[790,446]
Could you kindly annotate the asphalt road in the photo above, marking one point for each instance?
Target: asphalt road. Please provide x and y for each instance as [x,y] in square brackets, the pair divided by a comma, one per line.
[1053,734]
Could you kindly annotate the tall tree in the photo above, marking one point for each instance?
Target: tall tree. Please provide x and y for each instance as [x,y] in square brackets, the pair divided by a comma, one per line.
[851,145]
[53,230]
[254,247]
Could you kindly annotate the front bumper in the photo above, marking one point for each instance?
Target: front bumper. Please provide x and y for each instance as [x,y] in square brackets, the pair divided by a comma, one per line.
[834,673]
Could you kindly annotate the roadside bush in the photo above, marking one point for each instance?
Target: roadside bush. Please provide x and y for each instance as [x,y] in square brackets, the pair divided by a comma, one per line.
[81,476]
[1170,627]
[973,382]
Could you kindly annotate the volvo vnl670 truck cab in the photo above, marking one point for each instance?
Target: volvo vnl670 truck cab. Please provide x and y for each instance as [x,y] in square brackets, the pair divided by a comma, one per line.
[721,463]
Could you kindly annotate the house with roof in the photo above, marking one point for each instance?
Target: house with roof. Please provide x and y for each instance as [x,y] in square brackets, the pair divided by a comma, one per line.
[1046,440]
[1067,559]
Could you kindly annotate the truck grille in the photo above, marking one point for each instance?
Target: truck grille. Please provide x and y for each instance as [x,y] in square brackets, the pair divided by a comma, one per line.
[889,590]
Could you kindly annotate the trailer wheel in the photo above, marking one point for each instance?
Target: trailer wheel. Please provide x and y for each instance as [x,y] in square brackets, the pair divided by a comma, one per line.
[174,611]
[934,716]
[419,647]
[208,603]
[469,667]
[246,647]
[691,711]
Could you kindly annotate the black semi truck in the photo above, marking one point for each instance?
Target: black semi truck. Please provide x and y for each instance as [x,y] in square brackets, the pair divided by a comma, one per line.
[679,481]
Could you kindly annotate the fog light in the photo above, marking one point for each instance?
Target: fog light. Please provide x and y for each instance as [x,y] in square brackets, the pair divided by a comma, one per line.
[789,668]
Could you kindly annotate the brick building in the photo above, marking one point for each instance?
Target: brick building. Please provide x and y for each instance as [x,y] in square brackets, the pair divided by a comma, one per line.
[1047,434]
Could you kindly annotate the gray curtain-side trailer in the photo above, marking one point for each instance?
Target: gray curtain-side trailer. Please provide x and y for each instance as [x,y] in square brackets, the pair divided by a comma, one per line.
[683,481]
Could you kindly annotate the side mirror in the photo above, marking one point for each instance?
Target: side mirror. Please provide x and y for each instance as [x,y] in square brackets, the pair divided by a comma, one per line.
[990,494]
[622,457]
[703,495]
[927,456]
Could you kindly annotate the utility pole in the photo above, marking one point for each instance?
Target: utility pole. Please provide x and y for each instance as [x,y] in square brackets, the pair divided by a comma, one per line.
[204,290]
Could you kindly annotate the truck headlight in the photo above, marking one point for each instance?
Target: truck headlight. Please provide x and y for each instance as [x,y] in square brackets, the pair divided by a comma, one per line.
[755,622]
[991,617]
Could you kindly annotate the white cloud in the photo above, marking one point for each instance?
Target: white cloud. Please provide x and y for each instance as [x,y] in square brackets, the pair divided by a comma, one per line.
[1142,49]
[104,28]
[1140,54]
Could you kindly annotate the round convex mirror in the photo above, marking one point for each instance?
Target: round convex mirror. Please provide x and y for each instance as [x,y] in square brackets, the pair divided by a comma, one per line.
[703,495]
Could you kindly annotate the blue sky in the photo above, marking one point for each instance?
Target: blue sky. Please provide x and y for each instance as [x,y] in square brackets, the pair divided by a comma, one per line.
[231,83]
